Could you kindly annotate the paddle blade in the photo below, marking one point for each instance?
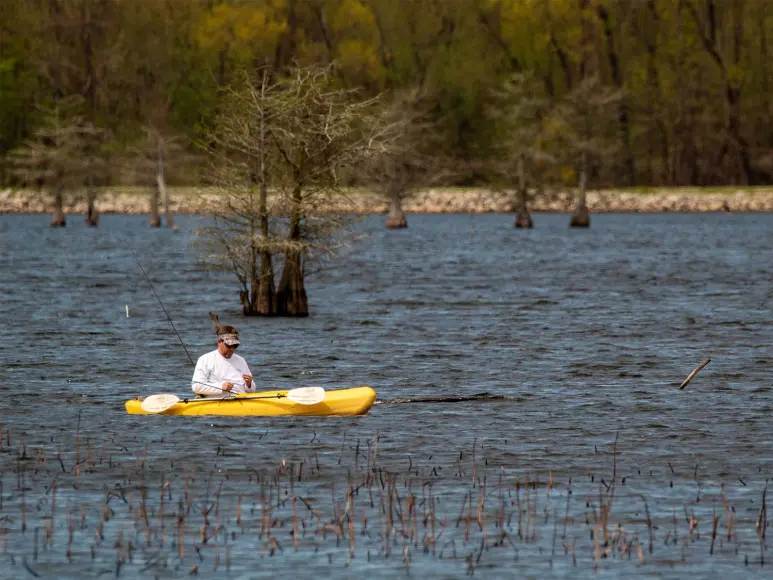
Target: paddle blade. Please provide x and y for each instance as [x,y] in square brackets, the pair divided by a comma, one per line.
[159,403]
[307,395]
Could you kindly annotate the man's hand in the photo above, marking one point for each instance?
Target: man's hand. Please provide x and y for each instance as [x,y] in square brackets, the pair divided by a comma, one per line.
[227,386]
[247,380]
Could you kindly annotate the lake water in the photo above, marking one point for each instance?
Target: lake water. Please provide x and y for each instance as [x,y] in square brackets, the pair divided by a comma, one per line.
[588,335]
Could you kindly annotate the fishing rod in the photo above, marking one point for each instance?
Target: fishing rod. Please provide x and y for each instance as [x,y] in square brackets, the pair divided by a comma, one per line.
[169,318]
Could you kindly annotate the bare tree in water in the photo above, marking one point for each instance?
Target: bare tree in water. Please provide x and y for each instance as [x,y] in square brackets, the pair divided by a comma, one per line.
[65,157]
[245,235]
[586,131]
[519,154]
[152,157]
[406,160]
[280,147]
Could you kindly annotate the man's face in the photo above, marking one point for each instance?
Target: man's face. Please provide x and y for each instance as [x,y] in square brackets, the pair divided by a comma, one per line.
[224,349]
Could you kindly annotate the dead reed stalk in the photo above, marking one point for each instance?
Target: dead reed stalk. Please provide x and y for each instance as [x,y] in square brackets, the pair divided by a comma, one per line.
[714,526]
[295,512]
[762,524]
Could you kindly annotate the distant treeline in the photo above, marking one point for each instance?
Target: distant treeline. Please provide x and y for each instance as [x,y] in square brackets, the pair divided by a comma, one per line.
[686,84]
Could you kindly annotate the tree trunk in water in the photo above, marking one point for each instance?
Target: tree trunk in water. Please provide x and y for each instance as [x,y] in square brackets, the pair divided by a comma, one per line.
[523,219]
[58,219]
[92,215]
[263,293]
[291,297]
[581,215]
[161,183]
[291,294]
[155,218]
[162,192]
[396,218]
[248,298]
[244,298]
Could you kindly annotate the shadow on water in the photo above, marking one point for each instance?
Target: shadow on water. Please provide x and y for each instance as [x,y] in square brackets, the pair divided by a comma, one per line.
[576,338]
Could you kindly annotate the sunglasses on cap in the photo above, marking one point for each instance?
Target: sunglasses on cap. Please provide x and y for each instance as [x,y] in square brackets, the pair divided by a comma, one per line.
[233,346]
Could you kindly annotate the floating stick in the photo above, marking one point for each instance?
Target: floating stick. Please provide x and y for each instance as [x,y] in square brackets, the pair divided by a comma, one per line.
[695,372]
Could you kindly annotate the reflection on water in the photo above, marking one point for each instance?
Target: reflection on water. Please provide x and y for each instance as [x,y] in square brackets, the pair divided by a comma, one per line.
[587,335]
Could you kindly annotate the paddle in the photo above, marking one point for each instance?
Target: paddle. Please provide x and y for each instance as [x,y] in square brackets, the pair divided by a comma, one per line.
[302,396]
[159,403]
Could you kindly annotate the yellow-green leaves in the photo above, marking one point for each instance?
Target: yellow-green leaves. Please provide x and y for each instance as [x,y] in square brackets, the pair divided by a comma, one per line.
[243,31]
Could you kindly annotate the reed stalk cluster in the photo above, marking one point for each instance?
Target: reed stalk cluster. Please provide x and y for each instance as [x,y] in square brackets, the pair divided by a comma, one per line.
[94,507]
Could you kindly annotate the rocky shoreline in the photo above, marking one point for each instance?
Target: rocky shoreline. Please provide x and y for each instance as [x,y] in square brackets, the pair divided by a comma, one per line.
[185,200]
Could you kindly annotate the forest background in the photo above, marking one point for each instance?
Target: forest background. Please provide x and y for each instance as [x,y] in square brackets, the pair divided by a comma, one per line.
[652,92]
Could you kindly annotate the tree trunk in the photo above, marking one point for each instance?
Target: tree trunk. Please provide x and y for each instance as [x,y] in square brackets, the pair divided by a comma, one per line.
[263,291]
[629,167]
[286,47]
[386,57]
[244,298]
[164,193]
[396,218]
[92,215]
[712,44]
[291,297]
[161,190]
[248,301]
[264,297]
[581,215]
[523,219]
[58,219]
[155,218]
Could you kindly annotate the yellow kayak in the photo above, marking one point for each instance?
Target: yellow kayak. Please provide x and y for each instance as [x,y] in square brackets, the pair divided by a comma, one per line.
[354,401]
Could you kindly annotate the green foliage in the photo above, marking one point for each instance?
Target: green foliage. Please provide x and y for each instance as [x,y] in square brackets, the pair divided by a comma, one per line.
[66,153]
[696,107]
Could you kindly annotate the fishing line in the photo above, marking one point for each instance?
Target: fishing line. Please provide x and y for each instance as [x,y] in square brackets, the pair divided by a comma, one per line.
[169,318]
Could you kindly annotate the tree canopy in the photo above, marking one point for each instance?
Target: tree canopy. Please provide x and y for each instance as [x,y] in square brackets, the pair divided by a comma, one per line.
[691,77]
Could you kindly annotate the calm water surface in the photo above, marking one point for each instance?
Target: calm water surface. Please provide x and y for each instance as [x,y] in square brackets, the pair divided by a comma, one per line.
[587,333]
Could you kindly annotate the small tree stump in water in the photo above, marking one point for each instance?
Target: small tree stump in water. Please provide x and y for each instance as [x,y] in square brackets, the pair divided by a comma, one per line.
[155,216]
[523,220]
[396,218]
[92,217]
[580,217]
[58,220]
[396,222]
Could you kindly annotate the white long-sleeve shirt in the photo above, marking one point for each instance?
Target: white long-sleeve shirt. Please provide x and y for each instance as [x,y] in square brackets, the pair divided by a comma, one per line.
[213,369]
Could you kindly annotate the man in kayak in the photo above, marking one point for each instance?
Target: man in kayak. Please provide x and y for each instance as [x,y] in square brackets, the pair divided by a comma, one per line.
[222,371]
